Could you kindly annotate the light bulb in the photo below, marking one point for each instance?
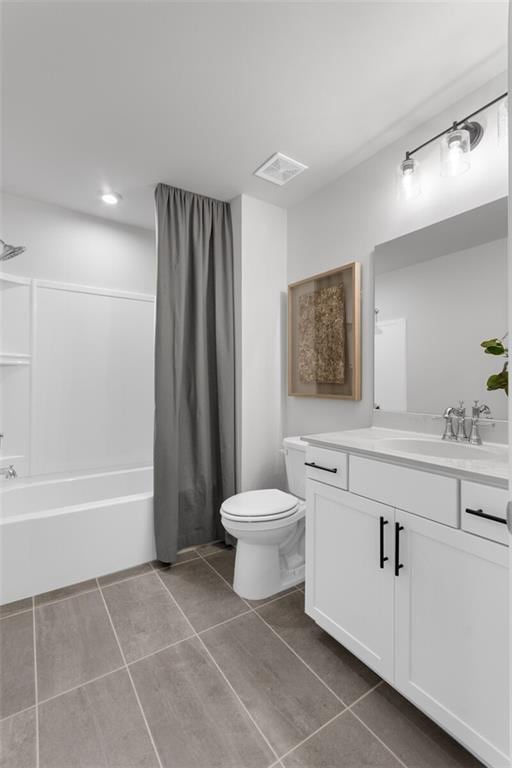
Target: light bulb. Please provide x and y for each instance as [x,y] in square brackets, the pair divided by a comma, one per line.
[111,198]
[455,148]
[409,181]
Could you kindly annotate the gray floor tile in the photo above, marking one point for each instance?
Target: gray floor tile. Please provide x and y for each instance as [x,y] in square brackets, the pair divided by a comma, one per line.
[127,573]
[75,643]
[96,726]
[16,607]
[18,741]
[63,592]
[348,677]
[17,684]
[195,719]
[265,600]
[144,615]
[212,548]
[412,736]
[286,700]
[344,743]
[182,557]
[201,593]
[224,564]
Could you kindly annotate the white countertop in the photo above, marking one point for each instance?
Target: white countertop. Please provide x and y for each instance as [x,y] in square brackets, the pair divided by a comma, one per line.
[491,468]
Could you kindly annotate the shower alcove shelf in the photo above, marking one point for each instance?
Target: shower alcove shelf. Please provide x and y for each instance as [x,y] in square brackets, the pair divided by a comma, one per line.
[15,347]
[16,302]
[14,358]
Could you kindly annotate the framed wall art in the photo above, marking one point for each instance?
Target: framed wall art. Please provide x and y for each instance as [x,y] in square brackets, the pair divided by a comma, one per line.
[324,334]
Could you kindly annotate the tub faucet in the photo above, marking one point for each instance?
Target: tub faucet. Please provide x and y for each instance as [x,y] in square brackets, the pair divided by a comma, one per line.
[8,472]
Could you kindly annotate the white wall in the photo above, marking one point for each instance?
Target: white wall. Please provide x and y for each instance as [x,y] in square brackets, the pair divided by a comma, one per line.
[74,247]
[450,305]
[76,370]
[260,272]
[345,220]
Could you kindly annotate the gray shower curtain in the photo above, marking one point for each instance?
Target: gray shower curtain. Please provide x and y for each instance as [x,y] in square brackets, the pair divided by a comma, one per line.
[194,457]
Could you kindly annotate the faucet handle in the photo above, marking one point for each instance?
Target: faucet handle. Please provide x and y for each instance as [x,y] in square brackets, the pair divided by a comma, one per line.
[479,410]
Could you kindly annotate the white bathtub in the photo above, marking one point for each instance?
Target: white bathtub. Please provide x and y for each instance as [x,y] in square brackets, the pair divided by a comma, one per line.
[61,530]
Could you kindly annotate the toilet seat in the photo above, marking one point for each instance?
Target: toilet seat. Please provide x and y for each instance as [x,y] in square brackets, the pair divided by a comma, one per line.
[260,506]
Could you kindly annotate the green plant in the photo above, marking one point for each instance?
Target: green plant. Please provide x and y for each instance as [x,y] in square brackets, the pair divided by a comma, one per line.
[498,348]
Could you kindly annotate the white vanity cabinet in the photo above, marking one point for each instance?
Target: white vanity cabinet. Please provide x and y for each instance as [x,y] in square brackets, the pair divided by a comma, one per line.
[348,593]
[451,640]
[422,602]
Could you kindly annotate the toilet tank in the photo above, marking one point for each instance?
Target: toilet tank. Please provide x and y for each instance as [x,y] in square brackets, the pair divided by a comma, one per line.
[295,455]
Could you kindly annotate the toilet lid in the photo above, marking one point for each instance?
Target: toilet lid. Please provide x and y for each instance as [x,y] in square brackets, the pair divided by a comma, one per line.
[264,505]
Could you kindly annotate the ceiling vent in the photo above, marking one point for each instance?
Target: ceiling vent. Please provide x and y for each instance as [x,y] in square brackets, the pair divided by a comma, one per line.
[279,169]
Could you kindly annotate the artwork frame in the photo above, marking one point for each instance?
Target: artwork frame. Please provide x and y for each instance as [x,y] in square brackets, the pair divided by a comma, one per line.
[324,334]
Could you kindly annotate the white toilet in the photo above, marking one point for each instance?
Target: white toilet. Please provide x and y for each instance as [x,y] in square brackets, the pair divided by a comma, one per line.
[269,527]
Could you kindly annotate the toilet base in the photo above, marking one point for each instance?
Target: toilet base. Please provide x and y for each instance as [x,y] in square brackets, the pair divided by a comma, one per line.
[264,570]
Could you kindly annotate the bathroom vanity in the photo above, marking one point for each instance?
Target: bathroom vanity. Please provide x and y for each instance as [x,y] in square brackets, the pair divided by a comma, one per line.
[407,567]
[406,535]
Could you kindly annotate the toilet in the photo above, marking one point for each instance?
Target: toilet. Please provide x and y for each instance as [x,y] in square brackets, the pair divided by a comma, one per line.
[269,526]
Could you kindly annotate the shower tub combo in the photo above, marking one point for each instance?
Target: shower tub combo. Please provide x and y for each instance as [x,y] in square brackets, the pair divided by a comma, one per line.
[62,530]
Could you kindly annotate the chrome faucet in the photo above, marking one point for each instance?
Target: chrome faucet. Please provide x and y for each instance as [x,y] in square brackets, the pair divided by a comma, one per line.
[460,416]
[474,432]
[8,472]
[448,433]
[455,423]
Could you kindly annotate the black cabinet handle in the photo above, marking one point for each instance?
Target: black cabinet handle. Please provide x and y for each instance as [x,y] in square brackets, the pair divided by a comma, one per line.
[382,557]
[317,466]
[398,564]
[481,513]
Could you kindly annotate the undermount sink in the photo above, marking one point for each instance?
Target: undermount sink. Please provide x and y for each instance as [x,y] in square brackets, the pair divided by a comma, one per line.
[445,450]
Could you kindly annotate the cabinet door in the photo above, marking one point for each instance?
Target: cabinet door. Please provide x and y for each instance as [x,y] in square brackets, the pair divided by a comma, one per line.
[451,632]
[348,593]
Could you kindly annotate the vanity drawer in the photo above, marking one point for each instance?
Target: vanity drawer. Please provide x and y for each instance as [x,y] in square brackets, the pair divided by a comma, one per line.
[330,466]
[481,503]
[432,496]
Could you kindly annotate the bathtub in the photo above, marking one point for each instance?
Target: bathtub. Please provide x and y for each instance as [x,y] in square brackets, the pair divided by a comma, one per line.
[56,531]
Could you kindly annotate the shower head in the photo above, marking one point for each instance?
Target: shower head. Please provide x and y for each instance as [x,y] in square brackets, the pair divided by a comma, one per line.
[9,251]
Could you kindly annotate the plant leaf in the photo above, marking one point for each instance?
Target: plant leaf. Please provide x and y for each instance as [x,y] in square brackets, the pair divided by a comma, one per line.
[498,381]
[493,347]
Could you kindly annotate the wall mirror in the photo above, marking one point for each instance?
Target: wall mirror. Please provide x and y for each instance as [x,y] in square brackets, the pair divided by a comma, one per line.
[439,292]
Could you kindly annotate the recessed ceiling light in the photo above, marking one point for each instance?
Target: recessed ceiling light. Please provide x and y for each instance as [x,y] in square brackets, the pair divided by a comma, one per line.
[111,198]
[279,169]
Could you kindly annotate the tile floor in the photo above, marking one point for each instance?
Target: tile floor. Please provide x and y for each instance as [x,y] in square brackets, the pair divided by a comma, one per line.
[169,668]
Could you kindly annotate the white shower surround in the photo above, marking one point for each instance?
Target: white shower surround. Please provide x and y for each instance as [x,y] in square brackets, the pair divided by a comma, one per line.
[66,529]
[77,378]
[81,396]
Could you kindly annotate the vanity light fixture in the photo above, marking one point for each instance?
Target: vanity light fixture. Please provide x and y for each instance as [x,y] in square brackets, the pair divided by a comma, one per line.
[111,198]
[455,149]
[457,142]
[409,178]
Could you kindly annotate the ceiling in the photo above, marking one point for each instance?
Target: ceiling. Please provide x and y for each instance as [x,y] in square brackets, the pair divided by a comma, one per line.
[119,95]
